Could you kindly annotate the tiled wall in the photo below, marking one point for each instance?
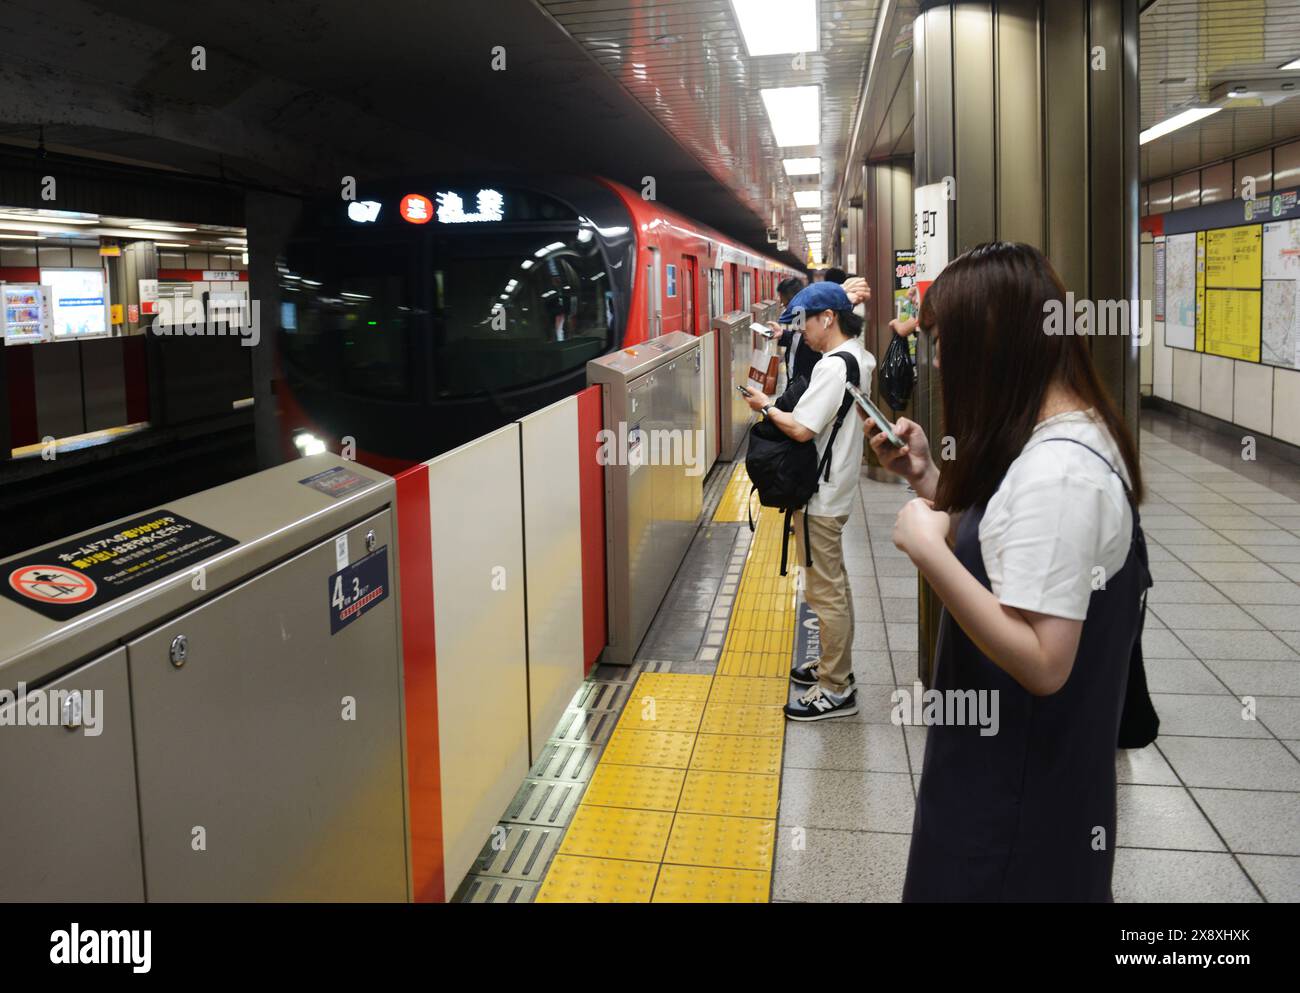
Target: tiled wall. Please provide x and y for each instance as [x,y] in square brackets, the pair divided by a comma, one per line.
[1261,399]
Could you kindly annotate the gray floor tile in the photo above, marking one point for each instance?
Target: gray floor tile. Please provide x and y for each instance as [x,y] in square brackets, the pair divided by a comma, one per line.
[896,568]
[1277,876]
[902,636]
[847,747]
[872,667]
[1268,678]
[1164,645]
[1251,645]
[1272,536]
[865,609]
[1280,714]
[840,867]
[1240,572]
[915,735]
[1219,716]
[1269,593]
[1272,554]
[846,801]
[1261,823]
[1232,763]
[1210,553]
[869,635]
[1209,616]
[1172,570]
[1145,875]
[898,586]
[1275,617]
[1175,592]
[900,609]
[1145,766]
[1163,817]
[1181,676]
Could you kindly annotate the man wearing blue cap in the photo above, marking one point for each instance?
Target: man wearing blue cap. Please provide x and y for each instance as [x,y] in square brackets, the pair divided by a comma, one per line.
[830,327]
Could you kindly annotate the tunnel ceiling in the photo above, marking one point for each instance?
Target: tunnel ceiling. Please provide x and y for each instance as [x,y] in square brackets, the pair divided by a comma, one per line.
[296,94]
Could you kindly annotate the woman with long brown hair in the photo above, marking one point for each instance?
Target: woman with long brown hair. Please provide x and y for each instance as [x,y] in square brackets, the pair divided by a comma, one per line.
[1041,585]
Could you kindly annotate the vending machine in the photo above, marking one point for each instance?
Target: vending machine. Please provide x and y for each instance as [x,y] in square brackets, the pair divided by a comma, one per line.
[26,314]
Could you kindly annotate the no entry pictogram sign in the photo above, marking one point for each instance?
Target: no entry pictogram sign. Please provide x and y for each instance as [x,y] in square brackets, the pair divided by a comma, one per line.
[52,584]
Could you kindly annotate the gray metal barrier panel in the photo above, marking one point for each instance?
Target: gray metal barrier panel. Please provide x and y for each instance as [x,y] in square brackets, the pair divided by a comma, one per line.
[259,700]
[649,392]
[735,349]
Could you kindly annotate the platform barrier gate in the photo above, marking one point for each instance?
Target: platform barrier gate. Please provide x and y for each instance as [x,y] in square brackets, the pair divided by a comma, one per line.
[204,702]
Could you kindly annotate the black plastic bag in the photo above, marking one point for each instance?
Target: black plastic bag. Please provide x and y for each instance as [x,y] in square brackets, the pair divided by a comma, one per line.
[897,374]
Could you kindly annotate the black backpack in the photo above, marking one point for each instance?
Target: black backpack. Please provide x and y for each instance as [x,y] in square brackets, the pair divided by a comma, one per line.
[785,472]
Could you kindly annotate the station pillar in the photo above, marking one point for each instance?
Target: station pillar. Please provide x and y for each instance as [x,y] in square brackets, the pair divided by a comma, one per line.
[1030,109]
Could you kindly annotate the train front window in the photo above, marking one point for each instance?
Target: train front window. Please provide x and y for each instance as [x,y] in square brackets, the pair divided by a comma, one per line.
[517,306]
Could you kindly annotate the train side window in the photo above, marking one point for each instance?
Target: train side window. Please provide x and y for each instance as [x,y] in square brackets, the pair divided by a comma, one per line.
[746,290]
[716,306]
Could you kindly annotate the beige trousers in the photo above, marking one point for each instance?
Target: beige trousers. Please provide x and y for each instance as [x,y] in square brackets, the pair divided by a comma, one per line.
[826,588]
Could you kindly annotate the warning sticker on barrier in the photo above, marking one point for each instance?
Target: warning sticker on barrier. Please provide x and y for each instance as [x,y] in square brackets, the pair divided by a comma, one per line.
[356,588]
[336,482]
[66,579]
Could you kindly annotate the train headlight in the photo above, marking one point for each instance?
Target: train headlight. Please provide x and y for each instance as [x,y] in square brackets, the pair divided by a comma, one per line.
[308,444]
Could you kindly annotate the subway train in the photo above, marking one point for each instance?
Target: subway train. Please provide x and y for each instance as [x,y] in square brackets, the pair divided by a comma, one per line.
[426,313]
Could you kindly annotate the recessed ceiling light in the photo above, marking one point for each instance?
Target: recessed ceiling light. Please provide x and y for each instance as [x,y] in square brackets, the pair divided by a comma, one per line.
[795,113]
[808,199]
[1189,116]
[803,167]
[160,227]
[777,27]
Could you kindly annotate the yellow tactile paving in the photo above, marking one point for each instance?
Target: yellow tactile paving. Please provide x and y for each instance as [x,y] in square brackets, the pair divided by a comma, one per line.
[647,713]
[672,686]
[639,786]
[697,884]
[574,879]
[617,833]
[690,778]
[739,794]
[743,718]
[733,507]
[662,748]
[748,689]
[721,842]
[737,753]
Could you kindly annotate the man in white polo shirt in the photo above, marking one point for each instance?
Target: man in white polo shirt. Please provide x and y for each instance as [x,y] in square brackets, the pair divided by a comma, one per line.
[829,326]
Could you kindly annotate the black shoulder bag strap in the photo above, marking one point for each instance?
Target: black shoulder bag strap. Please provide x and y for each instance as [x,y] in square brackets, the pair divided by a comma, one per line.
[1139,724]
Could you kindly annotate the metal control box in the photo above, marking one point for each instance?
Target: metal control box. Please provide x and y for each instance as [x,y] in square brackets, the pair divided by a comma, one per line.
[655,463]
[248,703]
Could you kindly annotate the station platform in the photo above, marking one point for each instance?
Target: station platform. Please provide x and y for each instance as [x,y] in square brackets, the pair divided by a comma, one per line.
[678,779]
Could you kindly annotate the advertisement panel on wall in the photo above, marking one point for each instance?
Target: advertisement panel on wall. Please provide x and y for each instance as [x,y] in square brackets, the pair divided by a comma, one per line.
[77,297]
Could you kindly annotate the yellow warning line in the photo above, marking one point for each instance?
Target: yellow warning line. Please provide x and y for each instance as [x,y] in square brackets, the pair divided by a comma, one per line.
[683,804]
[732,508]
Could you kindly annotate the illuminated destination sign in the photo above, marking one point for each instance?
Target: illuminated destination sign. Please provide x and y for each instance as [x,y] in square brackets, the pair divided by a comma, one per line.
[363,211]
[451,208]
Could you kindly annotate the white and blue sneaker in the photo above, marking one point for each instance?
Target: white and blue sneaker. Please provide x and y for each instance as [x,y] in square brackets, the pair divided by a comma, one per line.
[807,674]
[818,704]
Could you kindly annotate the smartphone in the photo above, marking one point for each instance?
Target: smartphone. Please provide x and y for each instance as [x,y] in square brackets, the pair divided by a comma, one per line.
[874,413]
[742,391]
[765,332]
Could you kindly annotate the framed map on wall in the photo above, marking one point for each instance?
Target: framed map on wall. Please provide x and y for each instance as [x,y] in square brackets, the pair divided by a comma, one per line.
[1280,335]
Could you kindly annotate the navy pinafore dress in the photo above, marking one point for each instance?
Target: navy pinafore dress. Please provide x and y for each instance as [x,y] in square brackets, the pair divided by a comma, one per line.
[1028,814]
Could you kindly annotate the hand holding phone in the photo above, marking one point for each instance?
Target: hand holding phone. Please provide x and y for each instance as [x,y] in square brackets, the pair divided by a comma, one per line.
[742,391]
[874,413]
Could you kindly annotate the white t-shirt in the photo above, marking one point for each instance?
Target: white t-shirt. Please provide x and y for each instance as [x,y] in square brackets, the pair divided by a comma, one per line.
[816,411]
[1058,515]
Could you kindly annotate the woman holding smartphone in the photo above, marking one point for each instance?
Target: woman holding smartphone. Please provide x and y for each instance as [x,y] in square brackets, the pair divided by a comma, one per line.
[1030,537]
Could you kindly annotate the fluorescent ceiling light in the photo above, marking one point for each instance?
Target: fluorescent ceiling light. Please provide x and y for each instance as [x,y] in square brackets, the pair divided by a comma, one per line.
[47,218]
[171,244]
[1293,64]
[777,27]
[4,236]
[808,199]
[160,227]
[803,167]
[1189,116]
[795,113]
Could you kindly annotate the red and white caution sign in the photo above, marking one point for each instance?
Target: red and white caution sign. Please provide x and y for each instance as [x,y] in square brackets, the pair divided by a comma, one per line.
[52,584]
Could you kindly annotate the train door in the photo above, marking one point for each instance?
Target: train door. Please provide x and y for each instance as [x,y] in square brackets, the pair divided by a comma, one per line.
[716,306]
[746,289]
[690,272]
[654,297]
